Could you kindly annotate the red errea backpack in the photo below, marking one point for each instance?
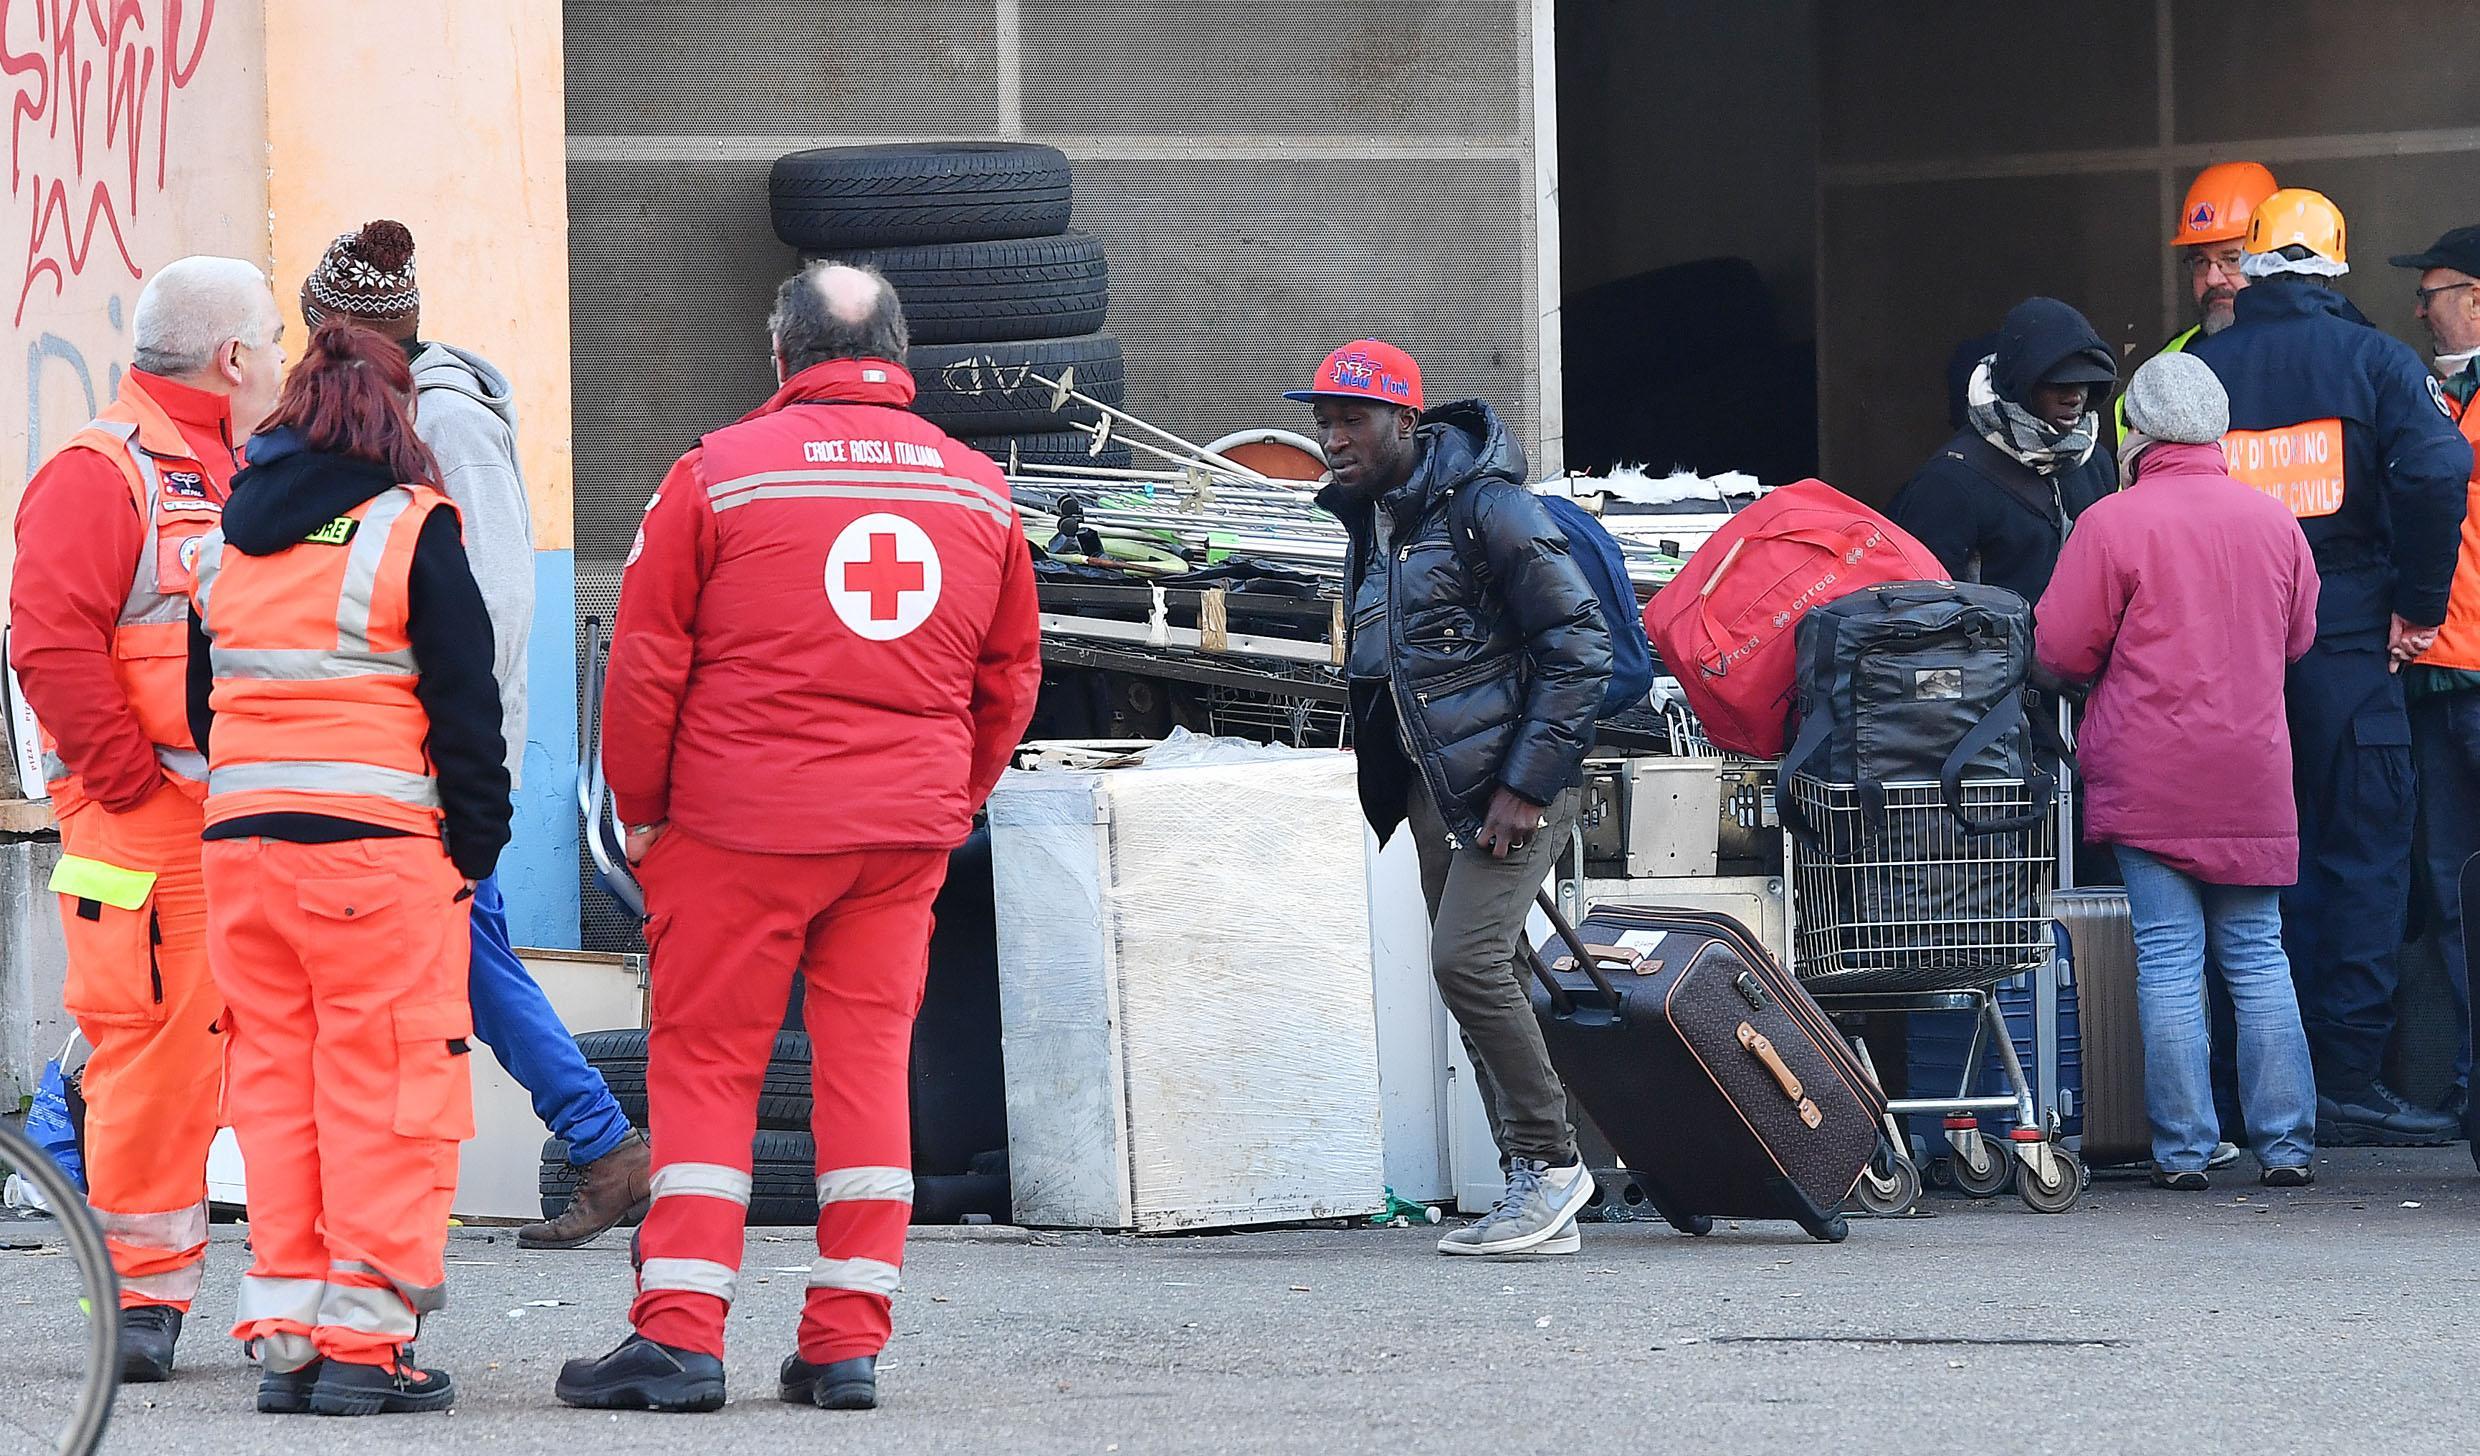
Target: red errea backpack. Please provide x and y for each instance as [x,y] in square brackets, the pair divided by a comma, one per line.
[1726,626]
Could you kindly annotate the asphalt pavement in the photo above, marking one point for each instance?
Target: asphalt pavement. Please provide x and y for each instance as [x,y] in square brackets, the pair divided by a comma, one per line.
[2340,1318]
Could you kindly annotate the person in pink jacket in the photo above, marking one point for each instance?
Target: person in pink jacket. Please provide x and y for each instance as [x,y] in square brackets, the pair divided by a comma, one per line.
[2183,599]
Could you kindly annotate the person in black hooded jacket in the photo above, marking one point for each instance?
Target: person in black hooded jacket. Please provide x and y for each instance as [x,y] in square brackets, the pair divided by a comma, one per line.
[1476,661]
[1995,501]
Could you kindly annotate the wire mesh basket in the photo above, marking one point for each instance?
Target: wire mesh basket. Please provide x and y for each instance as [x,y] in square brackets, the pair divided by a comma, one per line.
[1902,897]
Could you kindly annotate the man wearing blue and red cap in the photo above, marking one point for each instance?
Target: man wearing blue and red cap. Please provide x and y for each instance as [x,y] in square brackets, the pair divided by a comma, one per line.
[1477,663]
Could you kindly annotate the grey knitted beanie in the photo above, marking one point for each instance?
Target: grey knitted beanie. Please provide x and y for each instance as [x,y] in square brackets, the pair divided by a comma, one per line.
[2177,397]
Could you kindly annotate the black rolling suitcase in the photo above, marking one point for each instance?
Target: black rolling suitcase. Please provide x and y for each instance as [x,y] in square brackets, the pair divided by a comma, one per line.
[1712,1072]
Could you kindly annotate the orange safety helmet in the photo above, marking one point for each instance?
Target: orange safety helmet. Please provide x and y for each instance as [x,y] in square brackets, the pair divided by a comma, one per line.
[2220,201]
[2298,216]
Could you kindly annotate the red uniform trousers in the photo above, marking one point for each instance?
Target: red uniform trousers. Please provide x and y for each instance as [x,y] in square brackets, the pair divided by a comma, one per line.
[729,929]
[139,988]
[344,967]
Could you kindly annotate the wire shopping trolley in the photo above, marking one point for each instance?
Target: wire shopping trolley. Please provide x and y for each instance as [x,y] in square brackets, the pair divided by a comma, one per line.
[1902,900]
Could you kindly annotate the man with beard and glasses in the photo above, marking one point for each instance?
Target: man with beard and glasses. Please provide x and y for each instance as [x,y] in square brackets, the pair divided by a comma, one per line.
[2212,226]
[1995,501]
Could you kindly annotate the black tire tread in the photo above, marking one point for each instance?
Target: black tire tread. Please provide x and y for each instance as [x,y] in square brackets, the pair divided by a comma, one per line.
[1015,288]
[784,1100]
[1008,402]
[1054,447]
[919,192]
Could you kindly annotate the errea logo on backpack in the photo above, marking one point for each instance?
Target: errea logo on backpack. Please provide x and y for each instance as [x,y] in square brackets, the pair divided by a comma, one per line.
[334,533]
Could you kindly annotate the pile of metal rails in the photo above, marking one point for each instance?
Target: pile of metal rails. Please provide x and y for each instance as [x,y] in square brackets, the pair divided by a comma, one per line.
[1213,561]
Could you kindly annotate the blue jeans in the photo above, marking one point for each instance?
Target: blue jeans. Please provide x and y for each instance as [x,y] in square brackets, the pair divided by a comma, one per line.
[2445,740]
[514,1019]
[2177,919]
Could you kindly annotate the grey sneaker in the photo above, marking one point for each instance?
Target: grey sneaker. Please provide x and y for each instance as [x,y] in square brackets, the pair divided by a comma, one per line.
[1538,1212]
[2222,1156]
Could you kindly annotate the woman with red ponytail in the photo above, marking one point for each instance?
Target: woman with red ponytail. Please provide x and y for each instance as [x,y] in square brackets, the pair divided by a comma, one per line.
[341,689]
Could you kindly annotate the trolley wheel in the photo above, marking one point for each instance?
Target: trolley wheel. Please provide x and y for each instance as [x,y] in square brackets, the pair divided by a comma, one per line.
[1833,1230]
[2059,1194]
[1889,1187]
[1992,1178]
[1694,1225]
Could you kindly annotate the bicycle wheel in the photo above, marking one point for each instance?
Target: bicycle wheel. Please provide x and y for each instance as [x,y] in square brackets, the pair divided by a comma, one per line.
[59,1314]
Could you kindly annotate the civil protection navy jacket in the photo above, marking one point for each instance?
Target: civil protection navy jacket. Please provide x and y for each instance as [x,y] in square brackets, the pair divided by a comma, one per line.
[2343,424]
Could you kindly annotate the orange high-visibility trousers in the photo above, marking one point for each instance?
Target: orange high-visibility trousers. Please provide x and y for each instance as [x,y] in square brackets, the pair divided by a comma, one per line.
[344,969]
[139,988]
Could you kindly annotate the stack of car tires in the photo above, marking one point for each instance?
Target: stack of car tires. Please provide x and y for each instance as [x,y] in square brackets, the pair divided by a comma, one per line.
[996,286]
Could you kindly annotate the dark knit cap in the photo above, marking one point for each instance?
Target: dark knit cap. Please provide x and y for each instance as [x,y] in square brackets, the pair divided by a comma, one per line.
[367,277]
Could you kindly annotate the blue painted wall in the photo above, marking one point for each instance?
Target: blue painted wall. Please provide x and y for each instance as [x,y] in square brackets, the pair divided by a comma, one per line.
[538,874]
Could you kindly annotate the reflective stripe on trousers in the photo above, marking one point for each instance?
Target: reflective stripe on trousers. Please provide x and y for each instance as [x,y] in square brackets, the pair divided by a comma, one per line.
[867,1276]
[702,1180]
[689,1276]
[177,1240]
[864,1185]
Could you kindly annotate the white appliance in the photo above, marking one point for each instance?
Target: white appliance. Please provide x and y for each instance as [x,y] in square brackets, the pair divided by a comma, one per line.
[1188,1015]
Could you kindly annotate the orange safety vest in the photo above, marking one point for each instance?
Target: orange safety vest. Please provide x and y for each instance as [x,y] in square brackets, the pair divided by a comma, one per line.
[150,639]
[314,702]
[2458,641]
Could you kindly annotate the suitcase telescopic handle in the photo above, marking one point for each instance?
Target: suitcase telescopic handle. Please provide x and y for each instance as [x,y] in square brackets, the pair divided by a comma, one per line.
[1563,1003]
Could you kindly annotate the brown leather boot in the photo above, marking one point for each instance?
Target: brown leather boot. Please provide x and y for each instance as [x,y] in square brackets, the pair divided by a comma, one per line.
[616,1186]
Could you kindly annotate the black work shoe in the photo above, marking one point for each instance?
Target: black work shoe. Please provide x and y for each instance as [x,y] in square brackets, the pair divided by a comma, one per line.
[2455,1104]
[2289,1175]
[287,1392]
[2188,1182]
[643,1375]
[2376,1117]
[396,1388]
[837,1385]
[148,1333]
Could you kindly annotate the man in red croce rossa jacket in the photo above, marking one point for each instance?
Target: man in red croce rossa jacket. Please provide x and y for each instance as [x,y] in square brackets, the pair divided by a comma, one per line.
[827,648]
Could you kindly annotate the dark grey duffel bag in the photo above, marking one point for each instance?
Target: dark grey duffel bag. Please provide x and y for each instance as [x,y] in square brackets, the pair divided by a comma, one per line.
[1918,682]
[1916,787]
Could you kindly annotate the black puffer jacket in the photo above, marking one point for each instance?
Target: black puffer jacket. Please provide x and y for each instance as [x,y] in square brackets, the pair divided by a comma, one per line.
[1493,685]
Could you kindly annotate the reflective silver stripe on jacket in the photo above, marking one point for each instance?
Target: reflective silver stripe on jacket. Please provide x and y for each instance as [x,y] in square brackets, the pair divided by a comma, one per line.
[702,1180]
[308,664]
[421,1298]
[145,606]
[311,776]
[53,769]
[210,562]
[868,1276]
[865,1185]
[689,1276]
[361,569]
[881,485]
[189,763]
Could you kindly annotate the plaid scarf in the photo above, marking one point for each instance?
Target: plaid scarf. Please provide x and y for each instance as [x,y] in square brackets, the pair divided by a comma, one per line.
[2045,447]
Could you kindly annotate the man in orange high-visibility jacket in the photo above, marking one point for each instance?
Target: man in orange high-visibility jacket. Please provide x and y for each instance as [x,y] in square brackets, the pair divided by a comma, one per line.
[107,537]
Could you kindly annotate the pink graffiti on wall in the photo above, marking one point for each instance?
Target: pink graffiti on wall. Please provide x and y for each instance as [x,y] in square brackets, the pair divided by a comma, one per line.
[93,106]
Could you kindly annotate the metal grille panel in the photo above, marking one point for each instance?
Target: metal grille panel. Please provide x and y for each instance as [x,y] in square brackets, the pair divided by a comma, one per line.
[903,68]
[1379,68]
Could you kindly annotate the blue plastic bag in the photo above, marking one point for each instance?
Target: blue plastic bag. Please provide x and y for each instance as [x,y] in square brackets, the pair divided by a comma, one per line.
[47,1121]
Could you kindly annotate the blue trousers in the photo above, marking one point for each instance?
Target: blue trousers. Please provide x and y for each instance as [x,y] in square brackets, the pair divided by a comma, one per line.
[2343,922]
[2182,925]
[514,1019]
[2445,736]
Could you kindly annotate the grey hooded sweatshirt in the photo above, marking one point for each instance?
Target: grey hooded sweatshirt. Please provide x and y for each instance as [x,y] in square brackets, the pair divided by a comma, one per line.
[469,420]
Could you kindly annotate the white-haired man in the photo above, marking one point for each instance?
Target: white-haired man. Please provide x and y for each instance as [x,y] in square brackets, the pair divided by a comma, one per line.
[107,536]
